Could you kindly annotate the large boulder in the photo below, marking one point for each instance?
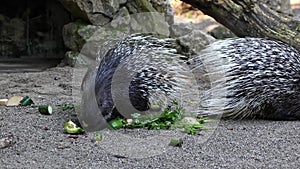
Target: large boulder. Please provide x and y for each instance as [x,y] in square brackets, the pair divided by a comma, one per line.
[128,17]
[97,12]
[90,40]
[191,39]
[101,12]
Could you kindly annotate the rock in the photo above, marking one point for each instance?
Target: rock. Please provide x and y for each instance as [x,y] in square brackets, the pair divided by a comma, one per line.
[97,12]
[139,6]
[72,39]
[111,21]
[121,20]
[181,29]
[90,40]
[150,16]
[101,41]
[101,12]
[122,2]
[70,58]
[164,6]
[191,39]
[221,32]
[149,23]
[7,141]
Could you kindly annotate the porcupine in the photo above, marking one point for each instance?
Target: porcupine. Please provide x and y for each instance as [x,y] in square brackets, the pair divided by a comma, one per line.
[250,77]
[139,72]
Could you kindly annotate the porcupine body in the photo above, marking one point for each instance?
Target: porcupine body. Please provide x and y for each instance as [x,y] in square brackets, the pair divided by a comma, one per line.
[252,78]
[137,73]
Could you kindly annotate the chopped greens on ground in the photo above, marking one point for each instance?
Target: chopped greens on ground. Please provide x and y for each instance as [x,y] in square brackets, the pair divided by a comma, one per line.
[162,121]
[116,123]
[65,107]
[169,119]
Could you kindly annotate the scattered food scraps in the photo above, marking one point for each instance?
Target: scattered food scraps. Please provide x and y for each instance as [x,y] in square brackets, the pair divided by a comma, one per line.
[3,102]
[71,128]
[116,123]
[171,118]
[45,109]
[66,107]
[26,101]
[176,142]
[97,136]
[14,101]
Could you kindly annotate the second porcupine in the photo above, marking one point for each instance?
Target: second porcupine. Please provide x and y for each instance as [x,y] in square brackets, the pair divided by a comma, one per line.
[250,77]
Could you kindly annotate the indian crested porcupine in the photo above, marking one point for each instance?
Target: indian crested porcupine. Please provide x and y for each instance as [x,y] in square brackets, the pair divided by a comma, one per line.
[252,78]
[139,73]
[249,77]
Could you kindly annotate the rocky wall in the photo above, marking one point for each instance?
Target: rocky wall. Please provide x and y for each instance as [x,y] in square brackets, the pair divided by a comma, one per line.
[101,24]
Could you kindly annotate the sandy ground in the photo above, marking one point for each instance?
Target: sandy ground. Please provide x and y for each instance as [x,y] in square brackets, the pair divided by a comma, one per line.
[42,143]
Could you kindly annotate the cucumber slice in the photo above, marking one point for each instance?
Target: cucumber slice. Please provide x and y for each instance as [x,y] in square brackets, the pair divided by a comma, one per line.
[45,109]
[26,101]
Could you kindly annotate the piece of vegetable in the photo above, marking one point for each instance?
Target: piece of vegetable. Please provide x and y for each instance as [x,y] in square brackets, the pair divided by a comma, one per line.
[45,109]
[71,128]
[176,142]
[66,107]
[155,122]
[3,102]
[14,101]
[116,123]
[97,136]
[26,101]
[204,120]
[171,118]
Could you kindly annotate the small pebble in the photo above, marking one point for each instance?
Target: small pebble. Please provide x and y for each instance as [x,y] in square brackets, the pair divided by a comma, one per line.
[7,142]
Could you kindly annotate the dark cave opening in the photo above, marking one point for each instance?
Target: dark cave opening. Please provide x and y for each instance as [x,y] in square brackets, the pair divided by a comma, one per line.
[32,29]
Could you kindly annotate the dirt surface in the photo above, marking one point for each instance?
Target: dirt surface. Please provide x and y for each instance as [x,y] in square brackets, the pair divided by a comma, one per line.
[40,141]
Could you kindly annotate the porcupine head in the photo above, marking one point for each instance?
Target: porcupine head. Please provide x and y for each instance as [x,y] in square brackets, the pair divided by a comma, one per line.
[139,75]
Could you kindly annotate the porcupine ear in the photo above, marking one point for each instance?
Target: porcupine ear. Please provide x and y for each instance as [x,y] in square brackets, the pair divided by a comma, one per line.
[158,72]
